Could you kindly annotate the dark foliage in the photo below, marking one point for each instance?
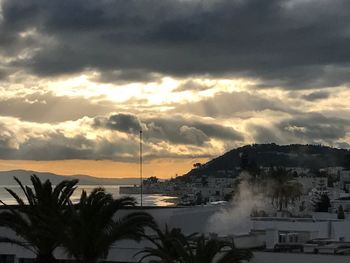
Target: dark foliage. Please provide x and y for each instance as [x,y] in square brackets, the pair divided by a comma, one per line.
[172,246]
[33,219]
[341,214]
[94,225]
[323,204]
[283,189]
[267,155]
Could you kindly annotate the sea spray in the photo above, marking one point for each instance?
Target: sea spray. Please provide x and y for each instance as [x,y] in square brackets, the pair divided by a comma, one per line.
[235,219]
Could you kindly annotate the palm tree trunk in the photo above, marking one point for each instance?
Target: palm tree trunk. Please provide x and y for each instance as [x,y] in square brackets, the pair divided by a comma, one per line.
[280,206]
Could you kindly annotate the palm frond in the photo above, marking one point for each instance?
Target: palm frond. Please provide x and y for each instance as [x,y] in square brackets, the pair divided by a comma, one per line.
[15,196]
[39,223]
[236,256]
[16,242]
[22,187]
[92,225]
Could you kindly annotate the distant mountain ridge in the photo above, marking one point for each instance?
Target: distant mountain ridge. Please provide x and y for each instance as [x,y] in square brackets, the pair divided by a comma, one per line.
[294,155]
[7,178]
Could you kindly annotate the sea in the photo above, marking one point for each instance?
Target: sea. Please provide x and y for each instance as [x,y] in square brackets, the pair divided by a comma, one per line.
[147,199]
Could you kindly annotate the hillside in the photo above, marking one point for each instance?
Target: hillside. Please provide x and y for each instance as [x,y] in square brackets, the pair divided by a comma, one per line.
[6,178]
[295,155]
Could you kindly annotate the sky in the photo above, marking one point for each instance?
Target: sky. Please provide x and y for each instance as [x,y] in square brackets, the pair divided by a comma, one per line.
[79,79]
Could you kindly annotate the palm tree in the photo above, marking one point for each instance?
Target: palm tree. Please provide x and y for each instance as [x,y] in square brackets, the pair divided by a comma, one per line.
[93,227]
[174,247]
[283,189]
[37,221]
[167,244]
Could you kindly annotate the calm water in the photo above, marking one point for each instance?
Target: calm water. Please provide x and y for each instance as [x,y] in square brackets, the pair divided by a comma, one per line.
[148,200]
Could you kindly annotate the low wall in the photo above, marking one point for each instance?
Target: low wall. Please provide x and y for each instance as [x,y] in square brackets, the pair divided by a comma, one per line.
[269,257]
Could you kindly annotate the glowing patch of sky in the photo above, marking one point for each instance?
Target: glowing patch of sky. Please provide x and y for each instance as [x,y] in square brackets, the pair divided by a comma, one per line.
[162,168]
[155,93]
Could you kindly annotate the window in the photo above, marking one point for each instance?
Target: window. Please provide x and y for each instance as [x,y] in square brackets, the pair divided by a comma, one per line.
[282,238]
[293,238]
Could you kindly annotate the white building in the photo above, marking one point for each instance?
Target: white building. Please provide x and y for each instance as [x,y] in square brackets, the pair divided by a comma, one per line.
[344,180]
[330,236]
[309,183]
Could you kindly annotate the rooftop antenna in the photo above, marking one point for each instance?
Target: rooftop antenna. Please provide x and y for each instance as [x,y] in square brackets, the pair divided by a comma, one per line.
[141,190]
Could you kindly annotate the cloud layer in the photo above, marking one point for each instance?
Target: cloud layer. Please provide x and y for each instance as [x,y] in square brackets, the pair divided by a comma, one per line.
[80,79]
[288,43]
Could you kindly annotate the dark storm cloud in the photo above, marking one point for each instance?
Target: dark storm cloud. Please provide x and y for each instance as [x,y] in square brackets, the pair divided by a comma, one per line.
[192,85]
[26,144]
[263,134]
[57,146]
[6,137]
[3,74]
[179,130]
[122,122]
[292,44]
[227,104]
[46,107]
[176,130]
[311,128]
[124,77]
[315,126]
[317,95]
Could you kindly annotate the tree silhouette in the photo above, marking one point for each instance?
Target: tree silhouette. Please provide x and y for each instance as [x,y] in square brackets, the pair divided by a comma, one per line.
[283,189]
[38,221]
[341,214]
[93,226]
[322,204]
[167,245]
[171,246]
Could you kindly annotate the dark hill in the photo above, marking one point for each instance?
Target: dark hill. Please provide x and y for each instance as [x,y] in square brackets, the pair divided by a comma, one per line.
[7,178]
[294,155]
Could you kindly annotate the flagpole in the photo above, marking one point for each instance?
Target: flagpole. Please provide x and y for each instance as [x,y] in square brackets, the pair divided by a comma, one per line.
[141,190]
